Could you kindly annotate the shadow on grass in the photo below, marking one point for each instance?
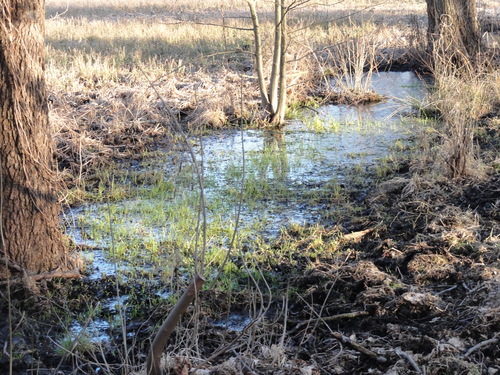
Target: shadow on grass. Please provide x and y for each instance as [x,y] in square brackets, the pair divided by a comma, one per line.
[134,50]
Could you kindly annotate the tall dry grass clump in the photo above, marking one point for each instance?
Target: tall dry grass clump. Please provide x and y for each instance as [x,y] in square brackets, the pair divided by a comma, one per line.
[464,94]
[356,63]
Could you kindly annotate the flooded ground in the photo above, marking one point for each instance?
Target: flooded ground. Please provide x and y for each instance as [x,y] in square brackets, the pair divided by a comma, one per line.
[393,272]
[291,176]
[287,173]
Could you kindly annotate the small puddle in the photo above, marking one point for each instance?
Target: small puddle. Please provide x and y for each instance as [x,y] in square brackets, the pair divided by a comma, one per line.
[400,90]
[288,174]
[113,304]
[100,262]
[235,322]
[96,331]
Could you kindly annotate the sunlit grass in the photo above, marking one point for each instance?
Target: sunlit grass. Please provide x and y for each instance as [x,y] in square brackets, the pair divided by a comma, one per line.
[88,38]
[118,47]
[98,59]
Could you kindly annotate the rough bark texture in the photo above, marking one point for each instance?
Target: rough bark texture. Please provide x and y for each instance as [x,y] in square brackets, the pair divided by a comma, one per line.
[31,236]
[456,22]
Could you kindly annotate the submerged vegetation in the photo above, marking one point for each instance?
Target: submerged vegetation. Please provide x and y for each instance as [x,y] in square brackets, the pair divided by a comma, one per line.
[361,237]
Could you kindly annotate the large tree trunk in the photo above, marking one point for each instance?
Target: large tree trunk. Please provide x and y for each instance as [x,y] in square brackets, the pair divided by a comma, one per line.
[454,23]
[30,234]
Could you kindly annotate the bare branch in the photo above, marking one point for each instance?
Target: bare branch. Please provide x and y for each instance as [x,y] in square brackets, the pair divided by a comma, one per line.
[482,344]
[168,326]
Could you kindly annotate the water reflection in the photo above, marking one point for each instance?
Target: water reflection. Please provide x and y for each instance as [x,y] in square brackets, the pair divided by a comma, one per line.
[283,168]
[401,90]
[275,146]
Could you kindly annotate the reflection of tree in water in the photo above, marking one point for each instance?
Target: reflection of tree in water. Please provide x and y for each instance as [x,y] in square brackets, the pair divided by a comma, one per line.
[274,147]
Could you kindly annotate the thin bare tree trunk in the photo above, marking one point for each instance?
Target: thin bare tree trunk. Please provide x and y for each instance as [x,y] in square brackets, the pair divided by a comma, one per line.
[273,90]
[258,54]
[280,111]
[30,211]
[274,101]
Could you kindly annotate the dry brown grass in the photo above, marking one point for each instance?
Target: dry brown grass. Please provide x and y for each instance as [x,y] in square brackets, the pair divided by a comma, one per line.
[102,55]
[464,95]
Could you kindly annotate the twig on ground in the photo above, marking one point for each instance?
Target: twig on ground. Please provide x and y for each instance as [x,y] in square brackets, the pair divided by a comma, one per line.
[346,340]
[409,358]
[73,274]
[360,348]
[350,315]
[466,287]
[331,318]
[249,371]
[356,236]
[311,109]
[447,290]
[231,346]
[57,274]
[482,344]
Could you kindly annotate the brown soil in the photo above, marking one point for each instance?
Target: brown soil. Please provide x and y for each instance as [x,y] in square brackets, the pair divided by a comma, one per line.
[428,276]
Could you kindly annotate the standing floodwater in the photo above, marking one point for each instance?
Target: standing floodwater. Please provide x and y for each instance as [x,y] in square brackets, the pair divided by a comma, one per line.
[290,176]
[321,150]
[295,175]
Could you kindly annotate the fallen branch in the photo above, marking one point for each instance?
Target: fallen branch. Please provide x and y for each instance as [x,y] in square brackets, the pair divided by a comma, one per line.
[28,280]
[482,344]
[447,290]
[40,276]
[356,236]
[409,358]
[59,274]
[346,340]
[163,334]
[350,315]
[231,346]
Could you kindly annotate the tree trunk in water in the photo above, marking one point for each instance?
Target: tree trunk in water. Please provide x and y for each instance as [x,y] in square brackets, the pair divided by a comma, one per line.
[273,89]
[279,115]
[274,101]
[29,208]
[454,22]
[258,55]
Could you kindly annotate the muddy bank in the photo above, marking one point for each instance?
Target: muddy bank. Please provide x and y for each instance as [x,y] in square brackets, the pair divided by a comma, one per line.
[427,275]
